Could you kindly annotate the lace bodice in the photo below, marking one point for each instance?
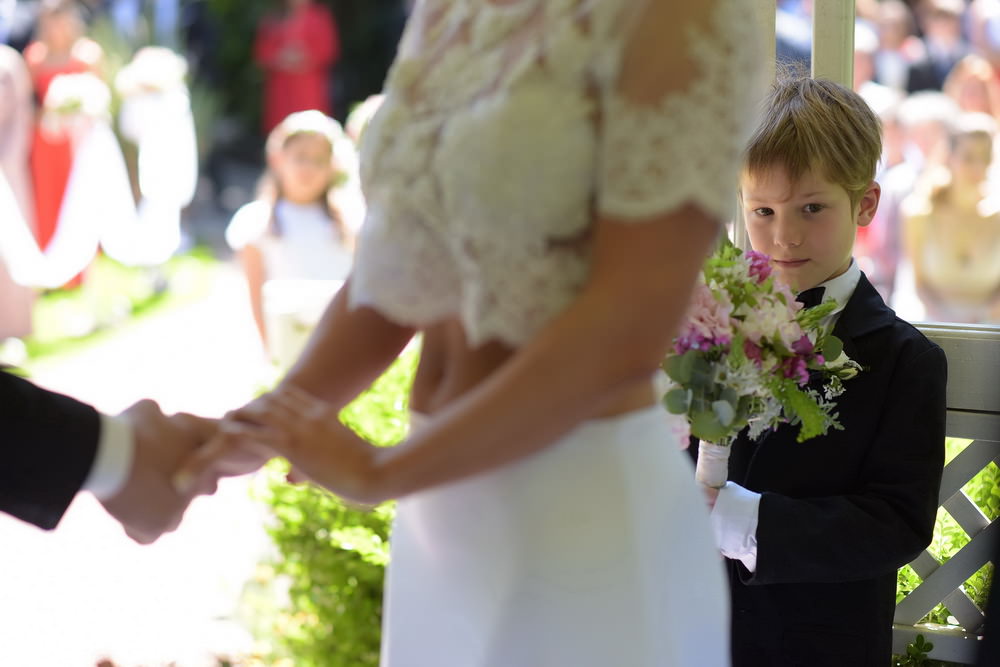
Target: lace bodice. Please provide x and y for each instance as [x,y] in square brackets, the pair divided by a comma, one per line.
[508,128]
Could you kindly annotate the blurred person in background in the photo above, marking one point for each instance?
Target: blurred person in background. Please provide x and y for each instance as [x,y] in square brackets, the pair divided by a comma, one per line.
[984,30]
[295,241]
[17,22]
[866,49]
[898,46]
[16,118]
[296,46]
[60,48]
[973,84]
[145,21]
[944,43]
[155,115]
[357,121]
[875,247]
[924,121]
[951,229]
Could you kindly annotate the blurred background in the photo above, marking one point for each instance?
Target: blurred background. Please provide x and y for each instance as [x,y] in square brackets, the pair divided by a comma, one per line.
[179,198]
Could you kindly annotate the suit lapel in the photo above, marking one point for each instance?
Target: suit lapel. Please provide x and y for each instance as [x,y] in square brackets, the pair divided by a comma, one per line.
[864,313]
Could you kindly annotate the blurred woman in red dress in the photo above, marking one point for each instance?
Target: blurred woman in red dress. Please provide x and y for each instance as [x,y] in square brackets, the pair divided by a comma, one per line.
[61,48]
[296,47]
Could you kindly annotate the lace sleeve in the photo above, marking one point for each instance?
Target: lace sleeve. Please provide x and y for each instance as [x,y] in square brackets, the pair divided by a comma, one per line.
[678,99]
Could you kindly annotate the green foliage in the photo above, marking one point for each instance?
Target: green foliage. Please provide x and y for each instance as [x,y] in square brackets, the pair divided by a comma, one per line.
[813,417]
[333,555]
[240,81]
[916,654]
[112,296]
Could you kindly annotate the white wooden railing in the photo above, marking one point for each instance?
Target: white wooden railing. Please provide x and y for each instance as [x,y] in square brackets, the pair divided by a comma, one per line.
[973,413]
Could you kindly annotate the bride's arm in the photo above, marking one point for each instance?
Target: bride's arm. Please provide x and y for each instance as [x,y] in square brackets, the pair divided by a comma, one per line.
[610,340]
[348,350]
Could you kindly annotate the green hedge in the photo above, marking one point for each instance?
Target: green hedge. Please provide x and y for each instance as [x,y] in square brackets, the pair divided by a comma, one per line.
[333,556]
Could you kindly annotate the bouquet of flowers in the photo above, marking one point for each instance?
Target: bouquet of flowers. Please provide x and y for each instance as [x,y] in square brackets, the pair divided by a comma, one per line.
[749,356]
[73,102]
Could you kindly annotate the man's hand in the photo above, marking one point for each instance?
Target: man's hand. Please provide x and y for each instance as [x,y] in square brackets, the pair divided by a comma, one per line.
[147,504]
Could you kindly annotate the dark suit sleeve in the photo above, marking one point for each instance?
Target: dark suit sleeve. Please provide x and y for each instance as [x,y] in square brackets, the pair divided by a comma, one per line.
[888,518]
[49,442]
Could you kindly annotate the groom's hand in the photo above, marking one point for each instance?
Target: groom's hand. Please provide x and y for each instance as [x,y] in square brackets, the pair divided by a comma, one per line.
[147,505]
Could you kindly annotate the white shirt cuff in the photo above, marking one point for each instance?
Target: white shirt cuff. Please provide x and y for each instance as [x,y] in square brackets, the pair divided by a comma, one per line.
[113,461]
[734,522]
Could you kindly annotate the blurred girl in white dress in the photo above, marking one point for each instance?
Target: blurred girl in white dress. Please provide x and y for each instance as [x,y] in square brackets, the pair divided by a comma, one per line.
[296,240]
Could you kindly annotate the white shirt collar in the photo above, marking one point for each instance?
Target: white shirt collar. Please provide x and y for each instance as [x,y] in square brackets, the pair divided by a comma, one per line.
[840,289]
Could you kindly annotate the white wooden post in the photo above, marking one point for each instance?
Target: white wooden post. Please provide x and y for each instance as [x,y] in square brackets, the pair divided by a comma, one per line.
[765,18]
[833,41]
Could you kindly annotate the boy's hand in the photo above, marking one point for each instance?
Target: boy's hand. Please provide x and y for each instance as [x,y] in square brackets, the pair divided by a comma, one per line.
[711,495]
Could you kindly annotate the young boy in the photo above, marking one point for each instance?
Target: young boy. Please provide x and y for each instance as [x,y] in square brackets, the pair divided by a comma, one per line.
[816,531]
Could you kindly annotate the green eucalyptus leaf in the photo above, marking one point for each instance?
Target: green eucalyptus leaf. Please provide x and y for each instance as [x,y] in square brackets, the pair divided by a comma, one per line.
[832,347]
[678,367]
[705,425]
[724,412]
[677,400]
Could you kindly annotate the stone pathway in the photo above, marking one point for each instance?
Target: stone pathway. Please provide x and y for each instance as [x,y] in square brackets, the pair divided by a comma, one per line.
[85,591]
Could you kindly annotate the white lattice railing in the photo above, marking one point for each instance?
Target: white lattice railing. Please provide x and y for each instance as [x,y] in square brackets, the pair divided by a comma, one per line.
[973,413]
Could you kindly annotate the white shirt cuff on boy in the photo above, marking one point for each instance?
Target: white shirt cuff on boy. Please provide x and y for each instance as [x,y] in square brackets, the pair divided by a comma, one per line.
[734,522]
[113,461]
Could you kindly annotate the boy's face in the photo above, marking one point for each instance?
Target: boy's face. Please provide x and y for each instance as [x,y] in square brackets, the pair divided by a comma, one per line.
[807,226]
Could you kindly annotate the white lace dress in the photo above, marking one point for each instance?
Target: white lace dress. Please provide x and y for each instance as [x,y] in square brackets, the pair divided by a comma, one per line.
[508,128]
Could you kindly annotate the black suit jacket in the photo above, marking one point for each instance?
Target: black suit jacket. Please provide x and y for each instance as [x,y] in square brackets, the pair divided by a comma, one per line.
[839,514]
[989,652]
[48,446]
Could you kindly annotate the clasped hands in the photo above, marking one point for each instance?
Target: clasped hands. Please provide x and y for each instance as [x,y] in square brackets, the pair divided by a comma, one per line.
[179,457]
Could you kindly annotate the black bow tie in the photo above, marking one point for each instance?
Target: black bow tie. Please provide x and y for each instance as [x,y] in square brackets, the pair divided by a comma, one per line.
[811,297]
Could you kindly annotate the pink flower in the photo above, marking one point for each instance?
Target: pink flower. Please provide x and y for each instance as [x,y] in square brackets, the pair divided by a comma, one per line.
[760,265]
[795,369]
[753,352]
[803,346]
[708,321]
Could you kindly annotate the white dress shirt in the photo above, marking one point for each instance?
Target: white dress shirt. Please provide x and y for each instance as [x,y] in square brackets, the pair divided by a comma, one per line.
[113,460]
[735,515]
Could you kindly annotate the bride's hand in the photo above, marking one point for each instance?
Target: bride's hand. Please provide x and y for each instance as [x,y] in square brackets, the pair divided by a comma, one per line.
[226,454]
[305,430]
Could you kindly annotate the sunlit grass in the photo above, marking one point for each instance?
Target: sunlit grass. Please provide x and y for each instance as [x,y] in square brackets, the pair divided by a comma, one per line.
[112,298]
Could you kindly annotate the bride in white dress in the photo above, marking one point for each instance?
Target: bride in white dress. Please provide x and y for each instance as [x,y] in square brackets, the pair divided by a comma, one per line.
[544,179]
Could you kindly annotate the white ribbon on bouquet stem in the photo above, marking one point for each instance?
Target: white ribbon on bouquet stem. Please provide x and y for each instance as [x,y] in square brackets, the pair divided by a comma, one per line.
[713,464]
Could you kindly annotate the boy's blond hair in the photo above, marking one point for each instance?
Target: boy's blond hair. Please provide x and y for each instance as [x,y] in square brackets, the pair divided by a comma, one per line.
[817,124]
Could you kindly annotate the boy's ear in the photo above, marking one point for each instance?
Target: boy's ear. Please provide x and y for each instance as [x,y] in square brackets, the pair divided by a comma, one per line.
[869,204]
